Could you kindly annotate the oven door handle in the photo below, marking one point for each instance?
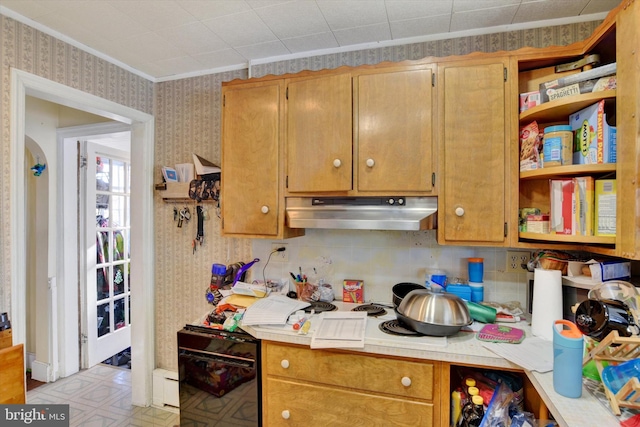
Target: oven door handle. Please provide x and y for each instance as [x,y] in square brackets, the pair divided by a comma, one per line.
[219,357]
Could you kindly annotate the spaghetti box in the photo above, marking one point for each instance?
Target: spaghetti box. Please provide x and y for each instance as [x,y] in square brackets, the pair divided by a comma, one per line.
[463,291]
[353,291]
[594,140]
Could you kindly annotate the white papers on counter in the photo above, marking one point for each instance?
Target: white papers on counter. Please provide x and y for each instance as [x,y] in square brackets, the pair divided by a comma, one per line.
[338,329]
[533,354]
[274,310]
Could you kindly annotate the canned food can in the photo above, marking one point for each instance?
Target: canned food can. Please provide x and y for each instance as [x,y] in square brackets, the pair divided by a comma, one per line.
[557,148]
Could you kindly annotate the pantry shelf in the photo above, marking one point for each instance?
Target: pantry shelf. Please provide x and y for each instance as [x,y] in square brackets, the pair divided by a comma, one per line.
[565,238]
[568,170]
[550,111]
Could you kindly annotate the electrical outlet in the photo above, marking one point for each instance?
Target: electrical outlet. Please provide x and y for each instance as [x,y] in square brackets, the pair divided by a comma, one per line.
[280,256]
[515,259]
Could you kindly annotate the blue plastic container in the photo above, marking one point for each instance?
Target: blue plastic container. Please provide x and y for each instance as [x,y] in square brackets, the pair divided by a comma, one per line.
[476,270]
[463,291]
[616,376]
[568,348]
[477,292]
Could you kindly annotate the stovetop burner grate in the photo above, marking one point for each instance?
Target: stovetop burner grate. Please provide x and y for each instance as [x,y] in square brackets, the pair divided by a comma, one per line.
[320,306]
[395,327]
[373,310]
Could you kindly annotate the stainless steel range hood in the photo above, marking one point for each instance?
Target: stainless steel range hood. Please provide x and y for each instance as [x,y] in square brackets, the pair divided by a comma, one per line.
[362,213]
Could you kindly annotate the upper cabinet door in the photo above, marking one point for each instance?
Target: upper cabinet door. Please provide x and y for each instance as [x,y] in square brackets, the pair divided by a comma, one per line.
[250,142]
[319,134]
[393,124]
[474,129]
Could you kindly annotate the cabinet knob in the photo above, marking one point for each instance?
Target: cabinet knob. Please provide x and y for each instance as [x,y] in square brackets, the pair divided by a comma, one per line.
[406,381]
[370,162]
[284,363]
[264,209]
[337,163]
[459,211]
[286,414]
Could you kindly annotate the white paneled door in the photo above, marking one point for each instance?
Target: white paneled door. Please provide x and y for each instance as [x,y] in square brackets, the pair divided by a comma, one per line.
[107,246]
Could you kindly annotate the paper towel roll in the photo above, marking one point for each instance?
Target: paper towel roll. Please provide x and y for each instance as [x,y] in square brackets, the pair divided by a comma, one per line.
[547,302]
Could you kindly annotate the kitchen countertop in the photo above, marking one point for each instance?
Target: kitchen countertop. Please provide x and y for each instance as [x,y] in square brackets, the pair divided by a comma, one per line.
[461,348]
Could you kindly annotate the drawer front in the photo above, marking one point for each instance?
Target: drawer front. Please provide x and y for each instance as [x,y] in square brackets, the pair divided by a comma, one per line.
[288,403]
[367,373]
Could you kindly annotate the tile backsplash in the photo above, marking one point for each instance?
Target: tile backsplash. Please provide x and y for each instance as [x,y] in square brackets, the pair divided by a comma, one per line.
[383,258]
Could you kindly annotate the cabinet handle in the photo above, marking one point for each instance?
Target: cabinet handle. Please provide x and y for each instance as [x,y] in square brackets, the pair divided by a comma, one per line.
[264,209]
[286,414]
[459,211]
[337,163]
[406,381]
[284,363]
[370,162]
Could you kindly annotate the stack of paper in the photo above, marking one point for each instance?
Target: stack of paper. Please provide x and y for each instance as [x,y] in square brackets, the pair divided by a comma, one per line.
[340,329]
[274,310]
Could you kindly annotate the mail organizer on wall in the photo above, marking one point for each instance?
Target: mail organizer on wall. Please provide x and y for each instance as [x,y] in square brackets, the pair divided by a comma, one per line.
[199,190]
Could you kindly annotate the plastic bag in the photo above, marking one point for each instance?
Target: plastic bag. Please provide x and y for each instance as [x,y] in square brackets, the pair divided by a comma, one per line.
[497,414]
[524,419]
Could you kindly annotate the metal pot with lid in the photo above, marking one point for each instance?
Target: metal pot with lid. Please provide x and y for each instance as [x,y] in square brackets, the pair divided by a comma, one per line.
[597,319]
[433,313]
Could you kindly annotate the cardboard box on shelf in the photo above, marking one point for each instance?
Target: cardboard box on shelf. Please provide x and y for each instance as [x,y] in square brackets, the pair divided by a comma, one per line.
[605,207]
[538,224]
[587,86]
[562,216]
[593,80]
[529,100]
[598,271]
[594,139]
[584,187]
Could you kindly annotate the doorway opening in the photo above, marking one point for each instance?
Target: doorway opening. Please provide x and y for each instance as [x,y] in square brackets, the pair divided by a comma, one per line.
[63,357]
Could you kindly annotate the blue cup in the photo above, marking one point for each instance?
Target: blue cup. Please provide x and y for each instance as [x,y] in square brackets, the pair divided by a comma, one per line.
[476,270]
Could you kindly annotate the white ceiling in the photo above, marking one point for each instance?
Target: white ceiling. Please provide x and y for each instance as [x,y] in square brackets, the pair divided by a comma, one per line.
[169,39]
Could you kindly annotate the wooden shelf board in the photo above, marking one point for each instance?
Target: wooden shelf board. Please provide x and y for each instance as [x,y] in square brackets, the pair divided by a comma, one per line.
[568,170]
[550,111]
[604,240]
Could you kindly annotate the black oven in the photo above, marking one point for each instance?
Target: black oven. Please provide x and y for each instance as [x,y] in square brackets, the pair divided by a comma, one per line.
[219,375]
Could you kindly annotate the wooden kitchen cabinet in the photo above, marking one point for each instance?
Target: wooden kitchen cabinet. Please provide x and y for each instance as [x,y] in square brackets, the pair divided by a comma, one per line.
[368,131]
[303,387]
[474,131]
[12,372]
[615,40]
[319,134]
[251,188]
[393,128]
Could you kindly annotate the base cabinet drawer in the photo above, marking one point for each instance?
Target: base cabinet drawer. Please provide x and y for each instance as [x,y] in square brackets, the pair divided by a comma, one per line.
[403,378]
[291,403]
